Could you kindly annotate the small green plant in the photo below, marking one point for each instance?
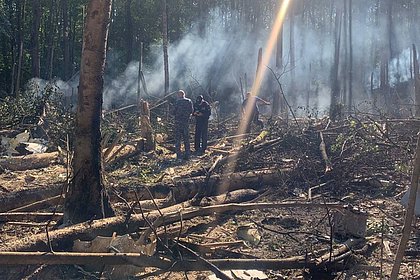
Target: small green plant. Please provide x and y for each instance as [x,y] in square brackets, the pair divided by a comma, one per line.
[377,227]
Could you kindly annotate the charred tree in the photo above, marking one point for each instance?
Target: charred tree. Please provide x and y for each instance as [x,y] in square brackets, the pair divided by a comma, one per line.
[86,198]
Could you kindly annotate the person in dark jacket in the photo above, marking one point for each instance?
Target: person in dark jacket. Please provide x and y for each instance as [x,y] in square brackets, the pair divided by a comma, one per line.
[182,111]
[202,113]
[254,112]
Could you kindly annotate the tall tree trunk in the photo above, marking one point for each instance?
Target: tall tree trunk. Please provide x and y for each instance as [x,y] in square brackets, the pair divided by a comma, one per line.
[36,21]
[129,32]
[21,25]
[279,65]
[385,57]
[408,219]
[346,54]
[66,39]
[279,49]
[50,40]
[293,94]
[140,73]
[165,44]
[416,80]
[86,198]
[350,100]
[335,109]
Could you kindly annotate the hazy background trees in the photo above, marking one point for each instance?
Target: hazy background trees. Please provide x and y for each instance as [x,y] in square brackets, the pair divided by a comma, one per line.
[213,47]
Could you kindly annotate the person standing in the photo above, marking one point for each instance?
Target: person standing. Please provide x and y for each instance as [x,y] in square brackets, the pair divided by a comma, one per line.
[182,111]
[254,112]
[202,112]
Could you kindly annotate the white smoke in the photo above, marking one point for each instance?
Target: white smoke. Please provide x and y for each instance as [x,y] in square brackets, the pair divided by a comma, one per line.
[216,60]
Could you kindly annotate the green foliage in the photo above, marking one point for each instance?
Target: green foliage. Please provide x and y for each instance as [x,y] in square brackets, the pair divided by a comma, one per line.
[141,21]
[61,120]
[20,110]
[39,108]
[5,26]
[375,227]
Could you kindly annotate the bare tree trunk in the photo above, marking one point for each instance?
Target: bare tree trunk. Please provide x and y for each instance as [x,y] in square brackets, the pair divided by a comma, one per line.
[345,59]
[385,57]
[279,50]
[66,39]
[21,23]
[279,64]
[140,73]
[86,198]
[259,59]
[36,20]
[350,100]
[409,214]
[50,40]
[335,86]
[293,94]
[128,31]
[165,44]
[416,81]
[146,130]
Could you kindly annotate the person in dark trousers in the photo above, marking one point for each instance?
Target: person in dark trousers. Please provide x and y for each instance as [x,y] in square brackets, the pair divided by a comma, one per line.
[182,111]
[254,112]
[202,113]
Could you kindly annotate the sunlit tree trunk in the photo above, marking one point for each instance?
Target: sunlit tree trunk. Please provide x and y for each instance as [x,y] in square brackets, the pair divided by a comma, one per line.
[86,198]
[409,215]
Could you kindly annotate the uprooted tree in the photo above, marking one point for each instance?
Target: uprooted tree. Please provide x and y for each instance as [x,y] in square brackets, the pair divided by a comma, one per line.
[86,197]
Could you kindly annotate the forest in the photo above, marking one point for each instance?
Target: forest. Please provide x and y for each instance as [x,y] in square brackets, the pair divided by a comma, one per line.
[319,181]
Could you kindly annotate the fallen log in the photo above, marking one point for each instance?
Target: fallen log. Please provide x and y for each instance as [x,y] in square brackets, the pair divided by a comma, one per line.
[121,152]
[32,161]
[242,195]
[27,216]
[52,201]
[297,262]
[64,237]
[31,224]
[21,198]
[185,189]
[179,191]
[27,258]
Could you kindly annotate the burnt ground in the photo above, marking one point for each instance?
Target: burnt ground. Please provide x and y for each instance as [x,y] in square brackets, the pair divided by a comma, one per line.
[369,166]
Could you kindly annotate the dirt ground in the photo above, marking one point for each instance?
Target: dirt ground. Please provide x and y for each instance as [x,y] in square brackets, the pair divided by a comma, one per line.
[369,168]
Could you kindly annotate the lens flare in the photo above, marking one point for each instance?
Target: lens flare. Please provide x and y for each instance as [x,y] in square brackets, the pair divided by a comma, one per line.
[255,89]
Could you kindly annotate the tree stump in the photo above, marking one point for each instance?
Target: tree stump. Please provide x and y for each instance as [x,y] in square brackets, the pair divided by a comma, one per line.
[146,131]
[349,222]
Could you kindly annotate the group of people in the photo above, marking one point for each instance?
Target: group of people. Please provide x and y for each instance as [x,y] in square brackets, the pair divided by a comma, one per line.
[201,110]
[184,108]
